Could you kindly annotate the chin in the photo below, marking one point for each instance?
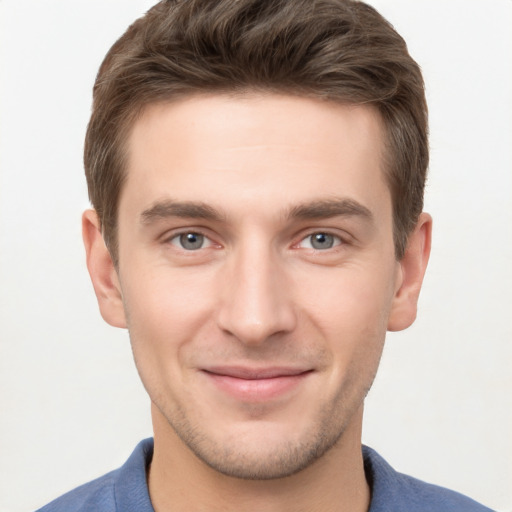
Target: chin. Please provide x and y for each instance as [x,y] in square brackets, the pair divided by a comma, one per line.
[262,449]
[265,460]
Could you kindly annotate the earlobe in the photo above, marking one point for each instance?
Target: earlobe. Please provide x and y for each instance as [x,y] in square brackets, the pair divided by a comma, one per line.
[102,271]
[411,272]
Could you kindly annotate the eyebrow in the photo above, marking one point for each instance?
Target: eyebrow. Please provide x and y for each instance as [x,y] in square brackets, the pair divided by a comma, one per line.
[186,209]
[320,209]
[324,209]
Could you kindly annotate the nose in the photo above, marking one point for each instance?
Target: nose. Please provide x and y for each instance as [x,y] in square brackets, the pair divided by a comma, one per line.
[257,305]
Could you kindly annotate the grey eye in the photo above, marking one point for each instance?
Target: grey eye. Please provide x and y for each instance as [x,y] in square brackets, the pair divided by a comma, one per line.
[322,241]
[191,241]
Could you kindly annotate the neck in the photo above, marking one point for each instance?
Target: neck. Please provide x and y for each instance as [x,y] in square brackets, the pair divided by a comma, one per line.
[180,482]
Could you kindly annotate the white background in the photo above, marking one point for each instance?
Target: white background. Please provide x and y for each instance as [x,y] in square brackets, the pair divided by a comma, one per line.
[71,405]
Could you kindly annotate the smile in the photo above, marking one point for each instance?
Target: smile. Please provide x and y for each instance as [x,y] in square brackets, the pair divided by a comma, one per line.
[256,385]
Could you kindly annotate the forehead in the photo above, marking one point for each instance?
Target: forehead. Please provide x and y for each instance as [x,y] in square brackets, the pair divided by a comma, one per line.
[265,149]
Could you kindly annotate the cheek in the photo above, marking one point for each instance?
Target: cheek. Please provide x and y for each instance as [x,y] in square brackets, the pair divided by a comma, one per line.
[161,295]
[350,301]
[350,311]
[163,318]
[165,312]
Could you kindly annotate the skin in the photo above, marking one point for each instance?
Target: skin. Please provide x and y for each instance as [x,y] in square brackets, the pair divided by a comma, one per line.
[257,278]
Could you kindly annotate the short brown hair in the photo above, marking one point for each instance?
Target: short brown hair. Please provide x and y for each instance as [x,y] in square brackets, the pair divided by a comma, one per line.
[337,50]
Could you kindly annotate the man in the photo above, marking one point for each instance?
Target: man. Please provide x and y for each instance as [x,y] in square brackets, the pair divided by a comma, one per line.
[257,170]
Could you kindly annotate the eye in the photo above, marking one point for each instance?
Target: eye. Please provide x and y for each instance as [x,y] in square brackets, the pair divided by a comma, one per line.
[190,241]
[320,241]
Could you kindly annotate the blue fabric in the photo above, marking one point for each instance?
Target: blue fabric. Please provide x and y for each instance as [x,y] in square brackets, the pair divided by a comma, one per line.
[125,490]
[396,492]
[122,490]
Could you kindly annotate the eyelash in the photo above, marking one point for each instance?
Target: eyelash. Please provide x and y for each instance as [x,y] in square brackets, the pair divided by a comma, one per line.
[178,241]
[319,237]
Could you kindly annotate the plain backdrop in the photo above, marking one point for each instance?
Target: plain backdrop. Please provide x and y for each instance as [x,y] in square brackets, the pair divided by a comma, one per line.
[71,405]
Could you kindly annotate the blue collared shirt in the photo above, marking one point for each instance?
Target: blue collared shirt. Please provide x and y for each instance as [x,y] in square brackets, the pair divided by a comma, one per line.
[126,490]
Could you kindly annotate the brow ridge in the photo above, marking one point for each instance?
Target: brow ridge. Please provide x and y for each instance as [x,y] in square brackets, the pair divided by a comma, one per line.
[326,208]
[184,209]
[319,209]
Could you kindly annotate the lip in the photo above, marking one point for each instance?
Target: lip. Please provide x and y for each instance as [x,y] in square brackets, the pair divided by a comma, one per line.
[256,384]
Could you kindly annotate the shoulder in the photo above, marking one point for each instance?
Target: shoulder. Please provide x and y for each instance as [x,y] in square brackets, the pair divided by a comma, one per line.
[401,493]
[95,495]
[124,489]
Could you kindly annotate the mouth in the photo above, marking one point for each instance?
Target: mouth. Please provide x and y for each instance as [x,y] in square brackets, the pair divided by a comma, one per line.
[256,384]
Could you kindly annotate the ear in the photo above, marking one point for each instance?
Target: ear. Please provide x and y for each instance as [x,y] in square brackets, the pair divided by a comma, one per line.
[102,271]
[410,275]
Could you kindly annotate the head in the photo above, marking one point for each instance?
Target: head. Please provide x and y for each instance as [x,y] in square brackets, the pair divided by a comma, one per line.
[257,171]
[341,51]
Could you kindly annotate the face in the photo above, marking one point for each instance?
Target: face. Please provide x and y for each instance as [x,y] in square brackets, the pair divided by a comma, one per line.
[257,273]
